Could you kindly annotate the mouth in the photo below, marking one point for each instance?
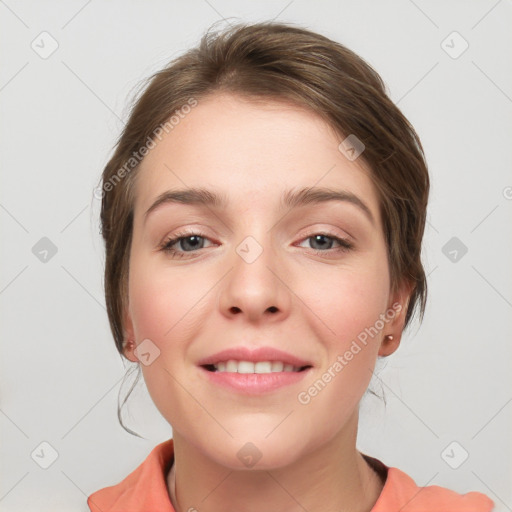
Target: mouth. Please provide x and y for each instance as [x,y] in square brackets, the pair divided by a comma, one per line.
[256,378]
[259,367]
[250,370]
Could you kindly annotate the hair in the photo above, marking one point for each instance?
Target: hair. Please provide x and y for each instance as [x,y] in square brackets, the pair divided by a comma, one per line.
[276,62]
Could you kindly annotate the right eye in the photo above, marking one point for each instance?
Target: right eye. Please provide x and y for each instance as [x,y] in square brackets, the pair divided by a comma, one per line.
[187,242]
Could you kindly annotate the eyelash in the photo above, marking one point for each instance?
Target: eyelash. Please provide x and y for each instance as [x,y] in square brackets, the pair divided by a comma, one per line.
[345,245]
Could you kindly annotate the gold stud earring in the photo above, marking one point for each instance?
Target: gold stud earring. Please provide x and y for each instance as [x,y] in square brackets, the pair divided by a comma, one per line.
[127,345]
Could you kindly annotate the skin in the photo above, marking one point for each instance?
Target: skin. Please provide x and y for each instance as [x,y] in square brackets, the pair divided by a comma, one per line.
[212,299]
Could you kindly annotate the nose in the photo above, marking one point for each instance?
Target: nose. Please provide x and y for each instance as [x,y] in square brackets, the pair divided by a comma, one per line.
[256,287]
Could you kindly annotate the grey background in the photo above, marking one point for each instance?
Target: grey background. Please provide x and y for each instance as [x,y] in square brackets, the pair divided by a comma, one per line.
[450,381]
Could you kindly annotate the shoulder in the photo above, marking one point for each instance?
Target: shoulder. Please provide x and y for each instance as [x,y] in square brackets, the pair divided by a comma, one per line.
[143,489]
[401,492]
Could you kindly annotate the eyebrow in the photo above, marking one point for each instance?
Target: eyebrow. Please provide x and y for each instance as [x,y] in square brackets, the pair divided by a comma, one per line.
[290,199]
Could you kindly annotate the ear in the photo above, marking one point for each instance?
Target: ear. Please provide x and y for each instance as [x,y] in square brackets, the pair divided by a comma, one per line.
[396,312]
[129,337]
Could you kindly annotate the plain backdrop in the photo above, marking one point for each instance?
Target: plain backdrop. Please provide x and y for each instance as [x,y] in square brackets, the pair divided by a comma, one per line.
[68,71]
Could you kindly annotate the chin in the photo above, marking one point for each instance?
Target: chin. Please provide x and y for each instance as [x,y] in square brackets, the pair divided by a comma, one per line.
[255,453]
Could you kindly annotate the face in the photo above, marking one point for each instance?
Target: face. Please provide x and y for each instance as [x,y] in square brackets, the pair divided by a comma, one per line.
[309,279]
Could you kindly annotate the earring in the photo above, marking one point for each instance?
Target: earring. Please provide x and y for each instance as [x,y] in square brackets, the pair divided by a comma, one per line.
[127,345]
[389,337]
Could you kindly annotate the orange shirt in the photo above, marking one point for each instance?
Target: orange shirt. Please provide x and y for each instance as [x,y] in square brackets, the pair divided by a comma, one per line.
[145,490]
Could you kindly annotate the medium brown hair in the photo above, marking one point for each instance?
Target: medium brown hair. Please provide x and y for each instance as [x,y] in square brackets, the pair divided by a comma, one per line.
[276,61]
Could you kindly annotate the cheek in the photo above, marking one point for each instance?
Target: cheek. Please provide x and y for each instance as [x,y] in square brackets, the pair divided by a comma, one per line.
[163,302]
[347,306]
[165,308]
[348,300]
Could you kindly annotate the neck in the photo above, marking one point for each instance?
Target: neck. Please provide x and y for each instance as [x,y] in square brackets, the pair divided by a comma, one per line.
[333,477]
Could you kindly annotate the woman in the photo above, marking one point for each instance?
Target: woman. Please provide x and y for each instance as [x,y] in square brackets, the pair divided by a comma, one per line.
[263,215]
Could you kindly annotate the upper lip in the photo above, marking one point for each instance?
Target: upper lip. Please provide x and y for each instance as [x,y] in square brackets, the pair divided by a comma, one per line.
[243,353]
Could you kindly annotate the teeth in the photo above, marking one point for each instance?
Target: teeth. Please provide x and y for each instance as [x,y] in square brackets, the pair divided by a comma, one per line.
[233,366]
[277,366]
[245,367]
[263,367]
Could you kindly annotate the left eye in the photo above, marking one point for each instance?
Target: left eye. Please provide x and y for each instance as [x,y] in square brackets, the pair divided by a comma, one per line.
[325,242]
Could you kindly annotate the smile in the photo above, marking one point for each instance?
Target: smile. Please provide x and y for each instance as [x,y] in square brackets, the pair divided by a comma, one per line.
[233,366]
[249,378]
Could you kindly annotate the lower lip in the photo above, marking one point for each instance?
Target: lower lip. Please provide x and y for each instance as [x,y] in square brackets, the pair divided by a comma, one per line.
[254,383]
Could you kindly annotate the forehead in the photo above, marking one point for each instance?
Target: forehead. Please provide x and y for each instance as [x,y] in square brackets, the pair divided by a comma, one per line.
[250,152]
